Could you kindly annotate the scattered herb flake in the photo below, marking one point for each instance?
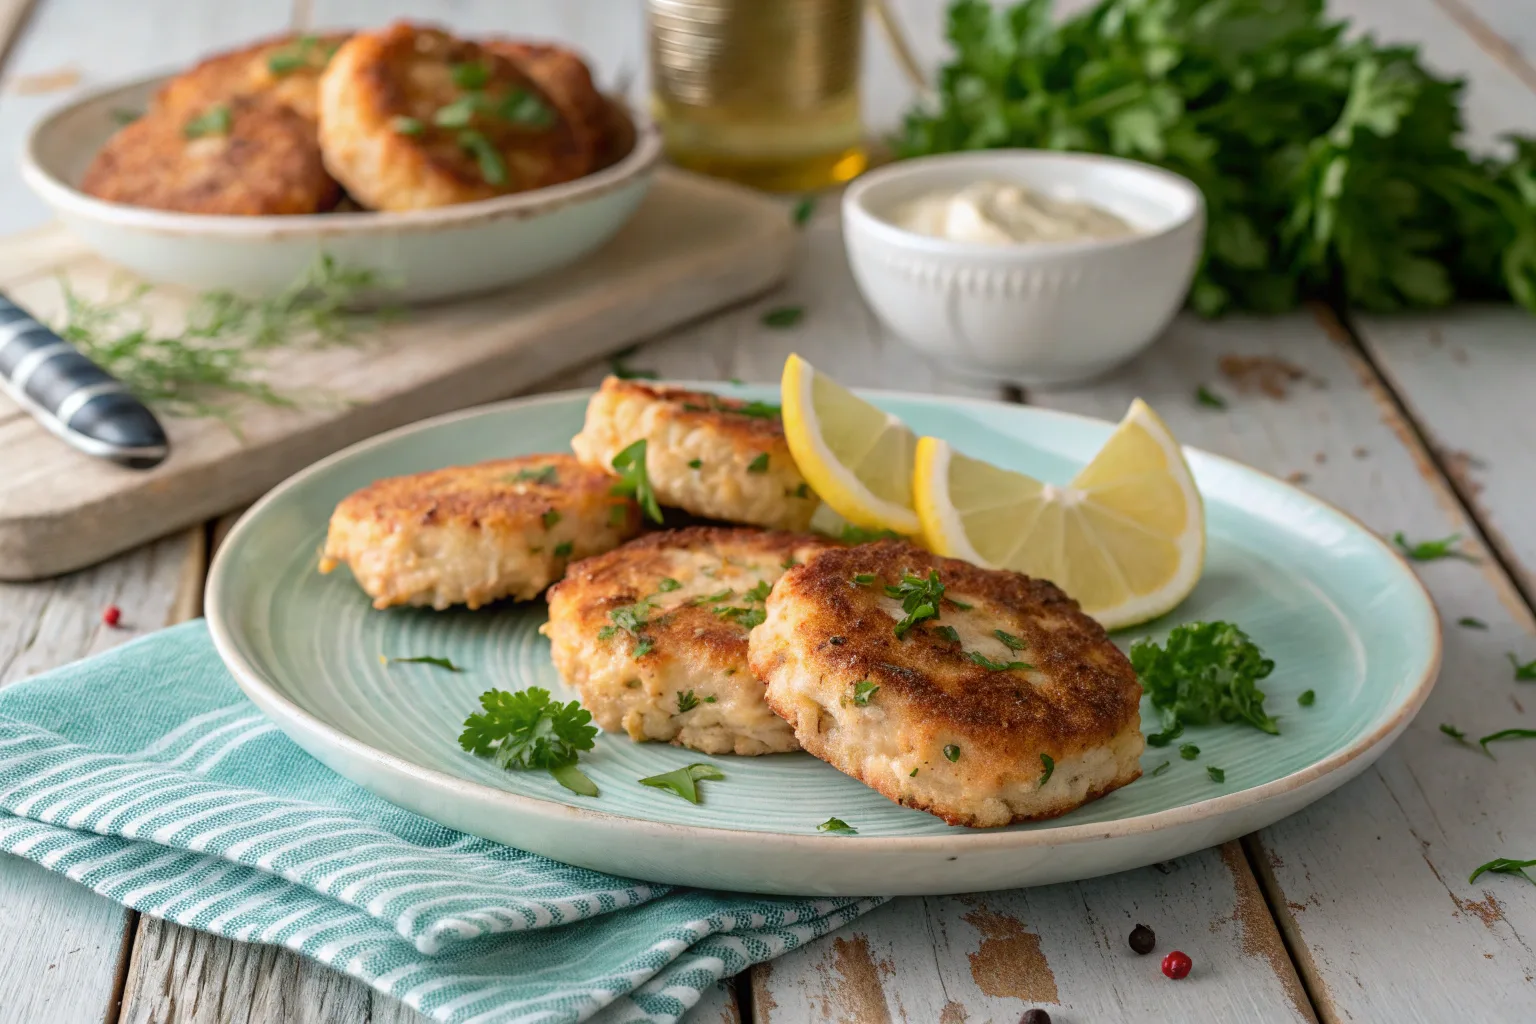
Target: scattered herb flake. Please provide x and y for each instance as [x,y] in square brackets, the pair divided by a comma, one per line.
[457,114]
[1049,765]
[783,317]
[550,518]
[526,730]
[620,368]
[912,774]
[1216,774]
[427,659]
[863,691]
[759,464]
[686,702]
[804,209]
[952,752]
[724,595]
[407,125]
[522,107]
[1523,673]
[125,116]
[685,781]
[633,480]
[1205,396]
[837,826]
[1207,672]
[1506,734]
[948,633]
[542,475]
[1010,641]
[564,549]
[1307,698]
[863,579]
[1161,768]
[1453,732]
[998,666]
[667,584]
[216,120]
[1468,622]
[1430,550]
[759,592]
[1188,751]
[470,74]
[643,646]
[851,534]
[695,463]
[493,167]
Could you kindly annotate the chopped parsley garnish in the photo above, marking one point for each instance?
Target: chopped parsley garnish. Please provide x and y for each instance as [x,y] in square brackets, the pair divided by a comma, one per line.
[631,618]
[542,475]
[920,599]
[1453,732]
[685,781]
[1049,764]
[863,691]
[216,120]
[667,584]
[1208,671]
[863,579]
[492,167]
[1506,734]
[528,731]
[948,633]
[998,666]
[633,480]
[1161,768]
[837,826]
[695,463]
[1429,550]
[746,618]
[803,491]
[724,595]
[427,659]
[759,592]
[291,58]
[1188,751]
[851,534]
[759,464]
[550,518]
[952,752]
[803,210]
[1010,641]
[1205,396]
[618,366]
[1307,698]
[1216,774]
[784,316]
[686,702]
[1504,866]
[563,549]
[457,114]
[643,647]
[470,74]
[1468,622]
[522,107]
[1523,673]
[407,125]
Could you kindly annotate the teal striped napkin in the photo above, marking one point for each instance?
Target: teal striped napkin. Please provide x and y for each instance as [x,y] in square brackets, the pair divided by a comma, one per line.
[145,774]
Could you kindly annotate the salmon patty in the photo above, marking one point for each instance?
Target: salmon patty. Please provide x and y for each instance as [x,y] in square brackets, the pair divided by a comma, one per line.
[654,636]
[474,534]
[286,68]
[242,156]
[722,458]
[981,696]
[412,118]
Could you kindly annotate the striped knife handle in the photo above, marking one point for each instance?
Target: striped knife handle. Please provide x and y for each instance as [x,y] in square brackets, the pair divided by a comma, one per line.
[72,396]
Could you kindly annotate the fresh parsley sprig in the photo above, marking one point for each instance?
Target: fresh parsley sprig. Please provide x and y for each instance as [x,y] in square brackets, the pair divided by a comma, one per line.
[685,781]
[920,597]
[1206,672]
[425,659]
[526,730]
[634,482]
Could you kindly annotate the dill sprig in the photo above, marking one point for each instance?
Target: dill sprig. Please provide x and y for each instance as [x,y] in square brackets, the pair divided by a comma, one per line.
[194,372]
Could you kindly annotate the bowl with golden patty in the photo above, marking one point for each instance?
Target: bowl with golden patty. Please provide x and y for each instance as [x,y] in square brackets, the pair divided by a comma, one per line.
[490,171]
[996,701]
[1329,603]
[653,635]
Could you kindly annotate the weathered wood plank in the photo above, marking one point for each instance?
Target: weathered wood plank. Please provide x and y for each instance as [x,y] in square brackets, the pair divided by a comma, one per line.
[1062,948]
[1370,883]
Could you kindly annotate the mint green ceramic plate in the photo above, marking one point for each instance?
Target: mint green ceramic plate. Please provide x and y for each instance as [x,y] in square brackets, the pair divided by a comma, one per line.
[1338,611]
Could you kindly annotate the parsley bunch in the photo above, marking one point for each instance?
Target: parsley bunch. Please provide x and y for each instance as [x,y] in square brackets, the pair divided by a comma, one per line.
[1207,672]
[1331,165]
[526,730]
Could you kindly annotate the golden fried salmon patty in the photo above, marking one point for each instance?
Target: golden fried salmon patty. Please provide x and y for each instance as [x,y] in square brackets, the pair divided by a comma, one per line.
[412,117]
[286,68]
[473,534]
[246,156]
[654,635]
[723,458]
[567,81]
[958,714]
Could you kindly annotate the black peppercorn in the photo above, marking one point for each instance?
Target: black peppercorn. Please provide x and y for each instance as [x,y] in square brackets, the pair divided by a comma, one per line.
[1035,1017]
[1143,939]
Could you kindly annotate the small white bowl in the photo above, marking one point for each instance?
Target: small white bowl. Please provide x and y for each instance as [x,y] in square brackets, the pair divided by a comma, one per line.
[424,254]
[1040,313]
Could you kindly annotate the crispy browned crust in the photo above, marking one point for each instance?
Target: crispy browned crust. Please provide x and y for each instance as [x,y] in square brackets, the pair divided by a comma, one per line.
[567,81]
[268,163]
[247,70]
[405,70]
[596,586]
[478,496]
[704,408]
[1082,694]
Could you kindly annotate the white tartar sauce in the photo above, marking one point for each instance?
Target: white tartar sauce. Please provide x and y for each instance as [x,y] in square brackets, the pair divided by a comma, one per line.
[1001,213]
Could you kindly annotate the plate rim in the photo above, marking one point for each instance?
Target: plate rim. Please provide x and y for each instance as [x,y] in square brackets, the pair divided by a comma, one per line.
[265,695]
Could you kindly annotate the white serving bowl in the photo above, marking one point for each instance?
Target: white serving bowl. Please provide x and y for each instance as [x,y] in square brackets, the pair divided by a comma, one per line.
[1039,313]
[424,254]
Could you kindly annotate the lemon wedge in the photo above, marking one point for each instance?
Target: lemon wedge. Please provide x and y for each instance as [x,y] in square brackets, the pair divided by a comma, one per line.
[857,458]
[1126,537]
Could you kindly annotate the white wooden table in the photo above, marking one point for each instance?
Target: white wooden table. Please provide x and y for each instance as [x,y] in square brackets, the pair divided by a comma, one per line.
[1357,909]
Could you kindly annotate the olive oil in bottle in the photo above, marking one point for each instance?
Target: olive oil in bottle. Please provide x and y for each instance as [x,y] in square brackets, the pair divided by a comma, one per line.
[764,92]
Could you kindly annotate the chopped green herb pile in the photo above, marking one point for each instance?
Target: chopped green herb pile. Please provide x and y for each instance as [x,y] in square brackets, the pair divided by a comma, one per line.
[1504,866]
[526,730]
[634,482]
[1332,165]
[1523,673]
[685,781]
[1430,550]
[837,826]
[427,659]
[216,354]
[1207,672]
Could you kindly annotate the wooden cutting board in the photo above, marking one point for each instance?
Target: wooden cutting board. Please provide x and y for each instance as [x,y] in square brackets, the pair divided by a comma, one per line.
[694,246]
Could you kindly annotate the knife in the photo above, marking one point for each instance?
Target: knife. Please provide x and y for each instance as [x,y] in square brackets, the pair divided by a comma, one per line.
[72,396]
